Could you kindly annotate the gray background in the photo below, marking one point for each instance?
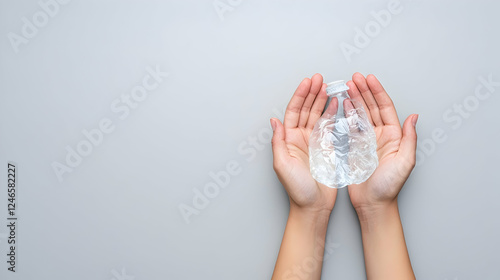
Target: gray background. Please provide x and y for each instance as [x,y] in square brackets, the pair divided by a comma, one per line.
[116,216]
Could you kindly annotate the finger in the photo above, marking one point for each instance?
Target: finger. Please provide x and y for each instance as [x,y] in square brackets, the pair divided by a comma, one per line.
[332,108]
[385,105]
[316,84]
[280,150]
[318,107]
[356,96]
[351,115]
[292,112]
[370,102]
[408,147]
[348,107]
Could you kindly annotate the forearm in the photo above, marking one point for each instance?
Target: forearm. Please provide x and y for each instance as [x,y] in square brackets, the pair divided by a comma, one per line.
[386,255]
[302,248]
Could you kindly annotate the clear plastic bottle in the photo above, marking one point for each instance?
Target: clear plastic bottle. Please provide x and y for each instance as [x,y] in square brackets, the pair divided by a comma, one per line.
[343,144]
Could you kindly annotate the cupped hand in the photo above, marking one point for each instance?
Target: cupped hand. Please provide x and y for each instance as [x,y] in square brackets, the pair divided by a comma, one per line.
[396,146]
[291,146]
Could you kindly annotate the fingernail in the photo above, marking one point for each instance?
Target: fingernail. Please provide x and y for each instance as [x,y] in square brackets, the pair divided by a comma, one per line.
[273,124]
[414,120]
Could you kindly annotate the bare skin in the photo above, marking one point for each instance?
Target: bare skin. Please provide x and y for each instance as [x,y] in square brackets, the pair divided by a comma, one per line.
[375,201]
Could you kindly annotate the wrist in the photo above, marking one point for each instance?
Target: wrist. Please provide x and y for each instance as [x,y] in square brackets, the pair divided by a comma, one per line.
[314,217]
[378,214]
[318,206]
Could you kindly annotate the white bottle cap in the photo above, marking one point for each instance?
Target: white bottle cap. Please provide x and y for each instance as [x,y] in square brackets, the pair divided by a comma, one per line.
[336,87]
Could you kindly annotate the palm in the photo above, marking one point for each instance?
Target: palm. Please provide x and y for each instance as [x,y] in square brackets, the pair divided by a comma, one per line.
[388,138]
[307,189]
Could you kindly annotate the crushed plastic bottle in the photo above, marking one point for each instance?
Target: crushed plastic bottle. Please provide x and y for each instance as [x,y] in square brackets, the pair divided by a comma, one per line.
[343,144]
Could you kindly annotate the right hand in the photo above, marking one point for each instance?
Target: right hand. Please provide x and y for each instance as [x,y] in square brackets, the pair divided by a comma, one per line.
[396,147]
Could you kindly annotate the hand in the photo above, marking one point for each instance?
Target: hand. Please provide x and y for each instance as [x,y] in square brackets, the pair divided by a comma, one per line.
[291,147]
[310,202]
[396,147]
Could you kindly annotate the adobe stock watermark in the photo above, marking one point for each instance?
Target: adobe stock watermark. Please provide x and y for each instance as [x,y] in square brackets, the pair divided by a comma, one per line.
[456,115]
[121,275]
[121,107]
[30,28]
[304,270]
[223,6]
[363,37]
[221,179]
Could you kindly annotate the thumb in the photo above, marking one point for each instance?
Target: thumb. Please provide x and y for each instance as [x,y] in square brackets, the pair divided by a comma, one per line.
[408,146]
[280,151]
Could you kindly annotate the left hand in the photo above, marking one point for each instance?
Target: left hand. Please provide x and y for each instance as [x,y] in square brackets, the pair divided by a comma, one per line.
[291,147]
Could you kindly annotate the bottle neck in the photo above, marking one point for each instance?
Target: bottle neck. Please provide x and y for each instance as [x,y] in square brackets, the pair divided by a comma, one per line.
[340,95]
